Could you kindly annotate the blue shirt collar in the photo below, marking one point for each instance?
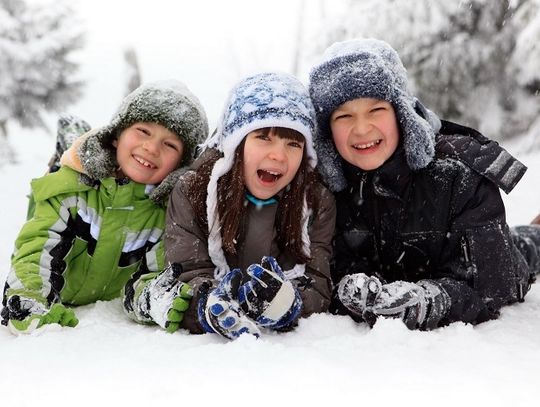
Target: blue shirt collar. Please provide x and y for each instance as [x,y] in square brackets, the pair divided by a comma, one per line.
[260,202]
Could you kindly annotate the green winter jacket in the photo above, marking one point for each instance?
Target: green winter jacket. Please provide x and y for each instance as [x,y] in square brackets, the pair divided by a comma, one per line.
[83,242]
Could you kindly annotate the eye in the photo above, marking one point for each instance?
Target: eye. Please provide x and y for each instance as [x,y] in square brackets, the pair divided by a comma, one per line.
[172,145]
[262,136]
[296,144]
[340,116]
[378,109]
[143,131]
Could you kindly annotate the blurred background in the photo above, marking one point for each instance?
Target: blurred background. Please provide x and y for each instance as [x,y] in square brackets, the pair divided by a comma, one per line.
[475,61]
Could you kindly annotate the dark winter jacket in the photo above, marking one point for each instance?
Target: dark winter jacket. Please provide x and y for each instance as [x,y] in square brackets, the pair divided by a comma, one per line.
[445,222]
[186,243]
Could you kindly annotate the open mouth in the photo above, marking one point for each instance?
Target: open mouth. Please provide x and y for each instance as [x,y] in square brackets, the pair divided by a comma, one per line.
[142,161]
[367,146]
[268,176]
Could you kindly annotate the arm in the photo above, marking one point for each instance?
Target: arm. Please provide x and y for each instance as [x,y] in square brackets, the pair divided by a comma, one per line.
[35,279]
[316,287]
[482,269]
[186,244]
[41,249]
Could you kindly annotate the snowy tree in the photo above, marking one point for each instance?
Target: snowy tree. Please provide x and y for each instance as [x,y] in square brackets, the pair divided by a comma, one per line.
[133,71]
[37,74]
[473,61]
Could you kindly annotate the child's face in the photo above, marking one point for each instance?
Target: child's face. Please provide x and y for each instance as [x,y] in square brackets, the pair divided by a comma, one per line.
[270,163]
[365,132]
[148,152]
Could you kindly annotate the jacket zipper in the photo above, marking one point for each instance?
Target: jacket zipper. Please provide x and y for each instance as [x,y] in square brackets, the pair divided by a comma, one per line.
[469,265]
[360,198]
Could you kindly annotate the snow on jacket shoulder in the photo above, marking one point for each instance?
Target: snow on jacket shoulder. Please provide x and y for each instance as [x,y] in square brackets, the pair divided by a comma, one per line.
[83,243]
[186,243]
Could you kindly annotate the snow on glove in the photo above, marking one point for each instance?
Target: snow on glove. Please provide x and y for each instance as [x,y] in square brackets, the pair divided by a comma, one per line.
[23,315]
[358,292]
[269,298]
[420,305]
[165,299]
[220,312]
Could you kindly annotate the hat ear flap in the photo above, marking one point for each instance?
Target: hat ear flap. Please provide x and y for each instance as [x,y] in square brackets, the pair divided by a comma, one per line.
[98,161]
[329,164]
[418,135]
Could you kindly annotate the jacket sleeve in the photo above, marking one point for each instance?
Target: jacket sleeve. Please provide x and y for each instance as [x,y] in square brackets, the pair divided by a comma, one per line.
[41,248]
[482,269]
[185,243]
[316,288]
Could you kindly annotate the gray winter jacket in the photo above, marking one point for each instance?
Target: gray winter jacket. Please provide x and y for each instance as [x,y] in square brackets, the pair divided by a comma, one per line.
[186,243]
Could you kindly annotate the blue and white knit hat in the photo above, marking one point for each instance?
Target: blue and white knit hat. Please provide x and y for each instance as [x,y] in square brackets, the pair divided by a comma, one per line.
[258,101]
[368,68]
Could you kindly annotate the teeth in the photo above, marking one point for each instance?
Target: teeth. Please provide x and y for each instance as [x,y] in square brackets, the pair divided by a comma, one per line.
[144,162]
[368,145]
[273,173]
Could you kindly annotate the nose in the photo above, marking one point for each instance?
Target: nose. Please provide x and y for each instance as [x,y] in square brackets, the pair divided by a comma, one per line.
[151,145]
[277,153]
[362,126]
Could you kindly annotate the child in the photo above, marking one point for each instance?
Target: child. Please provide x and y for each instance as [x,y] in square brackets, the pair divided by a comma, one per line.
[253,195]
[421,231]
[101,216]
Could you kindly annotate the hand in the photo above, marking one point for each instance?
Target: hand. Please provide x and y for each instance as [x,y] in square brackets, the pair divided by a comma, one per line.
[166,298]
[269,298]
[358,292]
[420,305]
[219,311]
[24,315]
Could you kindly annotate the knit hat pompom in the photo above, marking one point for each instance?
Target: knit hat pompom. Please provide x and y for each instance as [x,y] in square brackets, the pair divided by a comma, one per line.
[259,101]
[168,103]
[368,68]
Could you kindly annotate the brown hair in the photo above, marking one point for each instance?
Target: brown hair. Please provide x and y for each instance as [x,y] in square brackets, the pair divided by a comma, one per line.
[232,198]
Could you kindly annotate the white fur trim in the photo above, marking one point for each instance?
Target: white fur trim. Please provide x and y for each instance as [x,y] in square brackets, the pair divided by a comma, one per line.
[215,244]
[306,241]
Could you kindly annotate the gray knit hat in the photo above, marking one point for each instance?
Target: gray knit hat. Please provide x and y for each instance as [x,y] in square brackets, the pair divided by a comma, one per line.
[169,103]
[368,68]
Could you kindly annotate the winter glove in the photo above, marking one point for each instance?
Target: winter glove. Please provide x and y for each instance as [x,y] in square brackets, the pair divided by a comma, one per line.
[165,299]
[269,298]
[420,305]
[219,311]
[23,315]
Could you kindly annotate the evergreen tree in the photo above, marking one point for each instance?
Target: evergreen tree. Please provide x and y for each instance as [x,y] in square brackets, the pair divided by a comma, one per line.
[36,41]
[132,71]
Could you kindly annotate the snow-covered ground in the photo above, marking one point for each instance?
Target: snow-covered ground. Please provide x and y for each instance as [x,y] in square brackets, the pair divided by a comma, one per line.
[328,360]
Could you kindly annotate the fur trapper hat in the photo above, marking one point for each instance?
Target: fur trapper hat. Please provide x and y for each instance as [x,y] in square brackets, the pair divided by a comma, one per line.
[368,68]
[169,103]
